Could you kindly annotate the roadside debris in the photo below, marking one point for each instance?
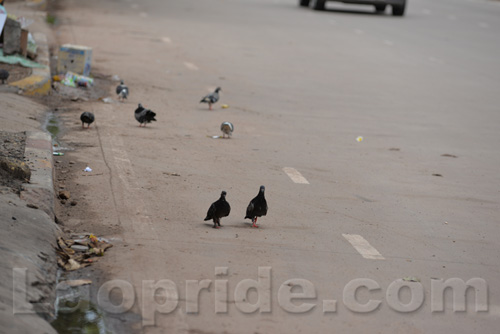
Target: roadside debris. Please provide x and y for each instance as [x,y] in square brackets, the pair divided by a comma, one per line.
[107,100]
[411,279]
[359,139]
[87,169]
[439,175]
[64,194]
[75,80]
[86,248]
[449,155]
[74,58]
[171,174]
[224,106]
[77,282]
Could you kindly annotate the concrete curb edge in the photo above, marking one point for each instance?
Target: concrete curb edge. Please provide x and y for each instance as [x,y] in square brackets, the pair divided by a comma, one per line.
[38,155]
[39,83]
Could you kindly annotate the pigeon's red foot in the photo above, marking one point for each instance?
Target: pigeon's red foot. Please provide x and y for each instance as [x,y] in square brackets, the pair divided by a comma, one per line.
[254,225]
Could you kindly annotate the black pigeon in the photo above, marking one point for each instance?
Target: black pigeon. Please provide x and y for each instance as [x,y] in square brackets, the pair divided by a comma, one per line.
[4,75]
[87,118]
[211,98]
[218,209]
[257,207]
[143,115]
[122,91]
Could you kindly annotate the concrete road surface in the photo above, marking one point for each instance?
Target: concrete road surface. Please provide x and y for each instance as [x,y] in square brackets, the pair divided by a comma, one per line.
[361,236]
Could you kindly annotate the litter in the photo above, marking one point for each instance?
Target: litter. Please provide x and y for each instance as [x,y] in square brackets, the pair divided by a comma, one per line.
[58,153]
[107,100]
[87,169]
[86,249]
[214,137]
[75,80]
[411,279]
[115,78]
[77,282]
[359,139]
[224,106]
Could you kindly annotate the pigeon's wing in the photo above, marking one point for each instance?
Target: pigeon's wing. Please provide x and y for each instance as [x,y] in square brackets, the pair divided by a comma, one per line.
[250,210]
[118,89]
[211,212]
[264,207]
[214,97]
[206,99]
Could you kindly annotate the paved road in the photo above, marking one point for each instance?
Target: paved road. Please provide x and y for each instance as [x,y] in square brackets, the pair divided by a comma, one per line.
[302,86]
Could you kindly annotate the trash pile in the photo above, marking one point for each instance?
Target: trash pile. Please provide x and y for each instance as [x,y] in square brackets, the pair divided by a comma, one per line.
[79,252]
[73,65]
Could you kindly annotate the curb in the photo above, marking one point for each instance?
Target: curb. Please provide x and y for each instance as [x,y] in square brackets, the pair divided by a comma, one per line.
[39,83]
[40,190]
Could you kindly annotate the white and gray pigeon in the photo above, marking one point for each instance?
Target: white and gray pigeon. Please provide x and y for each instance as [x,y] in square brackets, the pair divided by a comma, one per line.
[227,128]
[122,91]
[143,115]
[211,98]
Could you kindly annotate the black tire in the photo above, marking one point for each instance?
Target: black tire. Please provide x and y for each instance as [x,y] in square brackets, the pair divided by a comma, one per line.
[380,8]
[304,3]
[398,10]
[318,4]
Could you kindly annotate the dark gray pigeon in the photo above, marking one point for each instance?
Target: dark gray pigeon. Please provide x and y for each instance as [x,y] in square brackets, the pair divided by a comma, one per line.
[218,209]
[122,91]
[257,207]
[87,118]
[143,115]
[211,98]
[4,75]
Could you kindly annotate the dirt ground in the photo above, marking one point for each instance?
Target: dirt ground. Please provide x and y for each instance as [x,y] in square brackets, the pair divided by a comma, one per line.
[12,147]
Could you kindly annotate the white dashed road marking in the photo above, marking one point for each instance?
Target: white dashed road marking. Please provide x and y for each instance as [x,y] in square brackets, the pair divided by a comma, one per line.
[363,247]
[295,175]
[191,66]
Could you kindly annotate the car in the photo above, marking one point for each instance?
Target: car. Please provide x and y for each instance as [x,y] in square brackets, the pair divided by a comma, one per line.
[398,6]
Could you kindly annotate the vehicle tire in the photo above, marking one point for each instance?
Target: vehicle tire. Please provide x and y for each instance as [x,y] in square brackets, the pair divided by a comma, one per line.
[398,10]
[318,4]
[304,3]
[380,8]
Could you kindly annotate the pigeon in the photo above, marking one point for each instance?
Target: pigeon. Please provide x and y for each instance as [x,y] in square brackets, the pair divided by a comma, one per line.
[143,115]
[257,207]
[218,209]
[227,128]
[122,91]
[4,75]
[211,98]
[87,118]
